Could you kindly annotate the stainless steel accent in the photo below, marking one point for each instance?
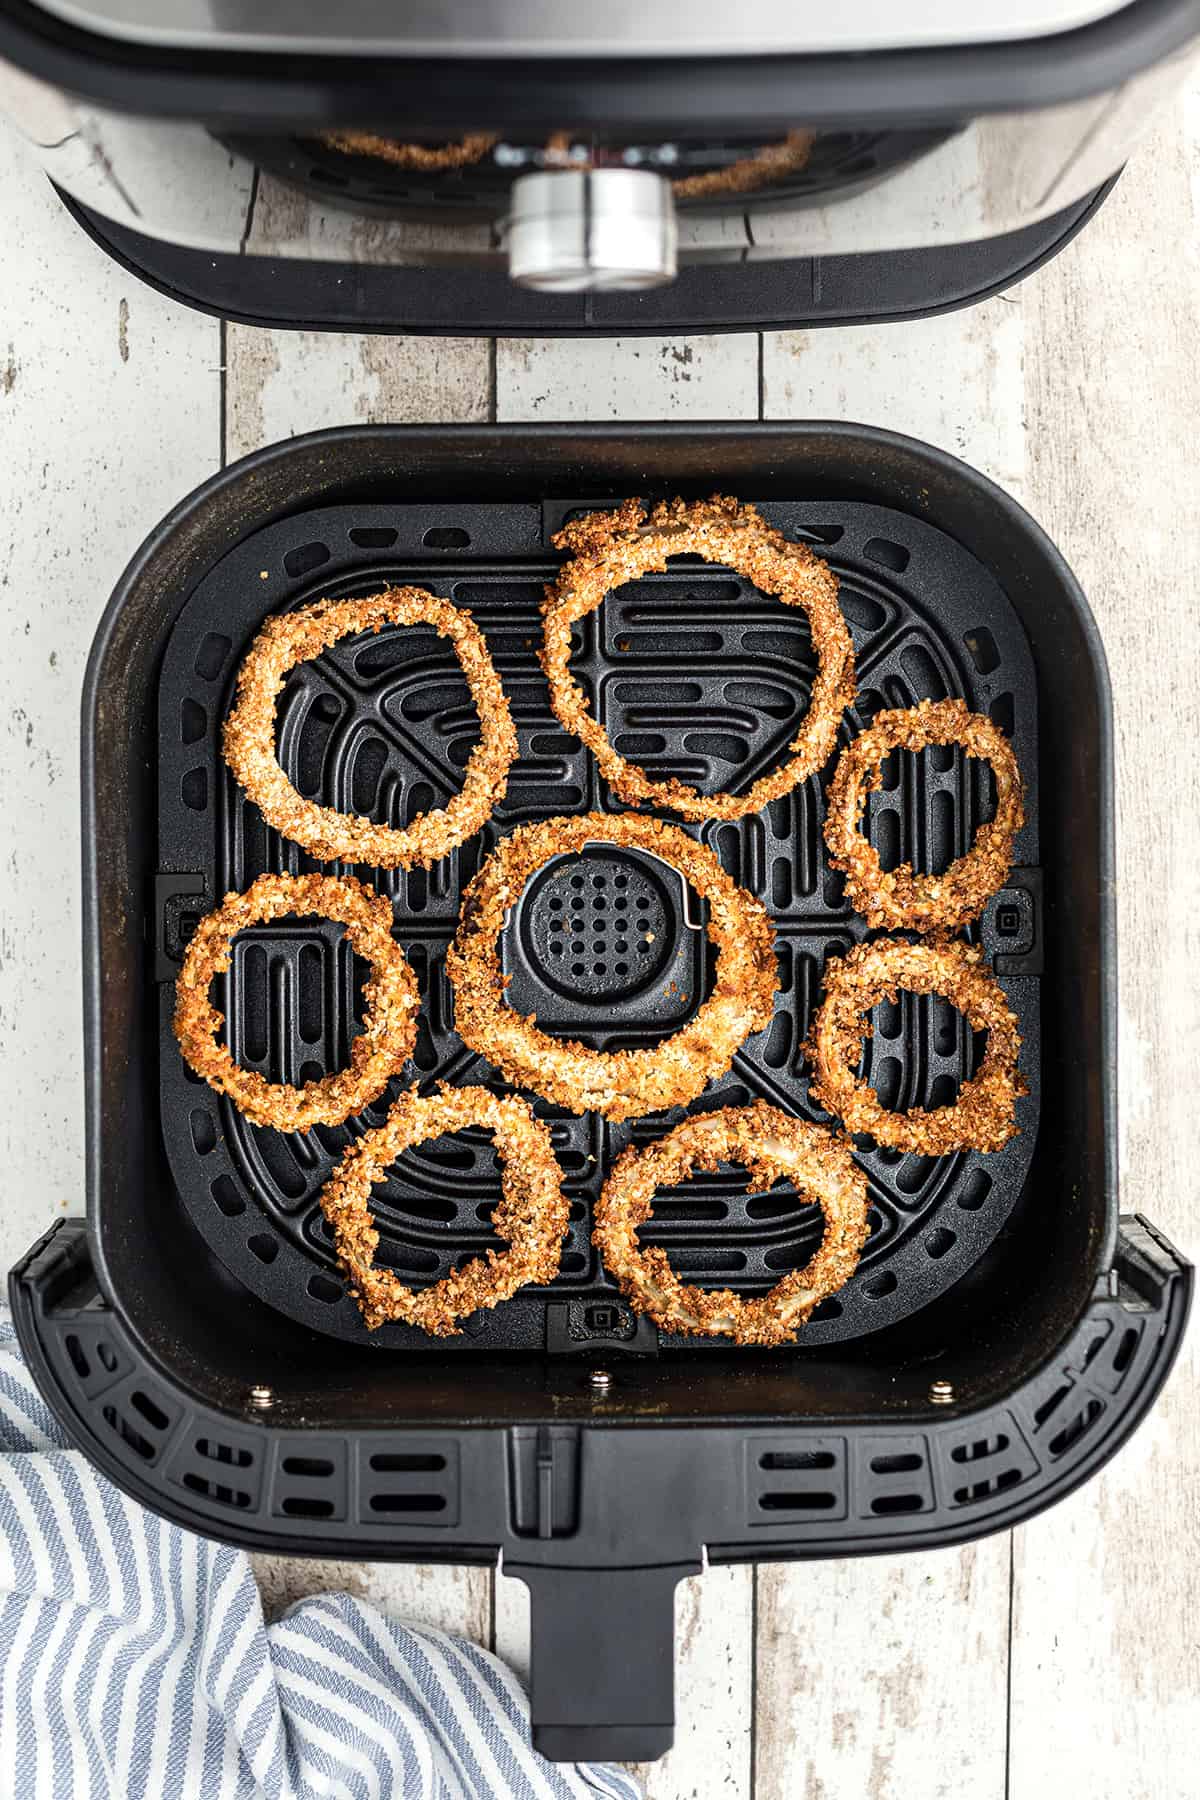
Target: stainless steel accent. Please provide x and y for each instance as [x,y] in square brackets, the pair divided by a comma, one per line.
[941,1393]
[600,1381]
[605,230]
[173,181]
[261,1398]
[572,28]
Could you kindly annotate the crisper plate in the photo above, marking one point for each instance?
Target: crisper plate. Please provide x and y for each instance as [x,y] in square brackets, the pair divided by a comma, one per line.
[695,674]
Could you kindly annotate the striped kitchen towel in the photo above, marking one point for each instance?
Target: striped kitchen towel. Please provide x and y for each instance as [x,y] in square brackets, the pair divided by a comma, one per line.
[135,1662]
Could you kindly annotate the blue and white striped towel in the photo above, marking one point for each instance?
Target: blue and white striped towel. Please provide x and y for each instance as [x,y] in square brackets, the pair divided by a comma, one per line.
[135,1663]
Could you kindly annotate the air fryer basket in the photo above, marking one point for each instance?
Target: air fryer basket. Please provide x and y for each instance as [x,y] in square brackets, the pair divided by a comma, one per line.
[184,1359]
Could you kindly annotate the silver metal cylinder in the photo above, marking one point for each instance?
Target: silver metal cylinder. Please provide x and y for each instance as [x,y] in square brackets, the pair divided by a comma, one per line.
[606,230]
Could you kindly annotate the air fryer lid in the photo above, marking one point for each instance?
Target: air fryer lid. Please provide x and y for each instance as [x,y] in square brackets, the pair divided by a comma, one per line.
[541,28]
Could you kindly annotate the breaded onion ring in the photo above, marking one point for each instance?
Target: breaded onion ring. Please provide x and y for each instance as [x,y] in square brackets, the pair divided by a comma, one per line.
[469,149]
[249,738]
[749,173]
[899,900]
[608,549]
[770,1145]
[389,1030]
[531,1214]
[984,1116]
[621,1084]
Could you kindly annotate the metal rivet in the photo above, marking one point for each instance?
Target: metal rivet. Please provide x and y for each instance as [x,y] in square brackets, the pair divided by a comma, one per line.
[262,1397]
[600,1380]
[941,1393]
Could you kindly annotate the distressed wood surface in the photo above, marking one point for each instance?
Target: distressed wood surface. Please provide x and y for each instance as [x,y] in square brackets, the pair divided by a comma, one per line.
[1107,1586]
[1061,1659]
[109,413]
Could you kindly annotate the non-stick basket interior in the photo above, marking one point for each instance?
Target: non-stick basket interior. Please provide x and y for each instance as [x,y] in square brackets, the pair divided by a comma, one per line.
[694,674]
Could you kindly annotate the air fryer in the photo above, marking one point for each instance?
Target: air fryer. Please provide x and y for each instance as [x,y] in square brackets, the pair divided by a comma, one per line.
[641,167]
[1006,1328]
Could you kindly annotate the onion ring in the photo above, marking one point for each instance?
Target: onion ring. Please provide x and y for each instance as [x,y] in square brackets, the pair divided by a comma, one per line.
[608,549]
[531,1214]
[898,899]
[377,1053]
[621,1084]
[984,1116]
[770,1145]
[749,173]
[329,835]
[457,155]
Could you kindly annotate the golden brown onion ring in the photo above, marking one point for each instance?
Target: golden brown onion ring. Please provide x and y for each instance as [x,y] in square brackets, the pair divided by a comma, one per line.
[608,549]
[899,900]
[984,1116]
[749,173]
[771,1146]
[389,1029]
[621,1084]
[249,739]
[531,1214]
[469,149]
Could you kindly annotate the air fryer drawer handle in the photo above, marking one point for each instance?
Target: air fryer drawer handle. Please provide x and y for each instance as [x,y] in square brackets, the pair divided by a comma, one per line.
[602,1676]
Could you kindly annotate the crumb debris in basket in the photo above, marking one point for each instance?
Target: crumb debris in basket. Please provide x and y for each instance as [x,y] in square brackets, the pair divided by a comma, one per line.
[984,1115]
[608,549]
[771,1146]
[899,899]
[377,1053]
[531,1215]
[621,1084]
[250,740]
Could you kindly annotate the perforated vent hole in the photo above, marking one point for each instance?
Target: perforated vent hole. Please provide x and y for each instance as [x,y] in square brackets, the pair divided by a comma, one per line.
[318,1467]
[306,1506]
[193,789]
[305,558]
[981,1447]
[324,1288]
[987,1486]
[1125,1350]
[797,1502]
[884,1504]
[393,1462]
[224,1191]
[373,537]
[797,1459]
[216,1490]
[107,1356]
[79,1361]
[204,1132]
[150,1411]
[878,1287]
[982,647]
[193,721]
[939,1242]
[234,1456]
[411,1503]
[891,556]
[1075,1427]
[446,537]
[210,657]
[262,1245]
[974,1191]
[611,913]
[128,1433]
[901,1464]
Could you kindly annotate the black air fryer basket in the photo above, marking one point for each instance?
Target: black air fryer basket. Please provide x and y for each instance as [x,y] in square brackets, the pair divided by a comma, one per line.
[1005,1330]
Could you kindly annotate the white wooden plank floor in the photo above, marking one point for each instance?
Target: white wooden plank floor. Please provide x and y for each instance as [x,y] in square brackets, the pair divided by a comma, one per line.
[1061,1659]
